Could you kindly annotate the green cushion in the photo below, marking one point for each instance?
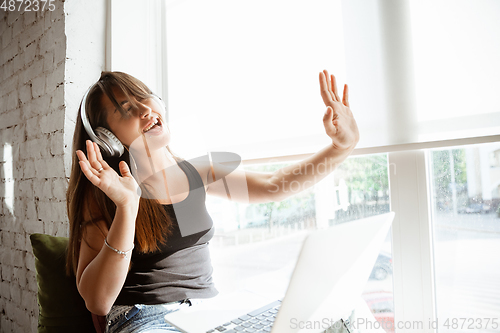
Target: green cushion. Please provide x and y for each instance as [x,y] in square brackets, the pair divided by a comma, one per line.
[61,308]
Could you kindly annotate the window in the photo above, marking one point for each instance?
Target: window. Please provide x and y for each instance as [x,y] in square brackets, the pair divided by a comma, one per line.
[466,227]
[256,246]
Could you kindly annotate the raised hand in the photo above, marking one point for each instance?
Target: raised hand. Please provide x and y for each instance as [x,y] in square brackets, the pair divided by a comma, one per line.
[338,120]
[122,190]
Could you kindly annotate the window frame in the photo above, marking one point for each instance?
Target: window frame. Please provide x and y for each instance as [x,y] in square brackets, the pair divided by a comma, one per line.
[412,243]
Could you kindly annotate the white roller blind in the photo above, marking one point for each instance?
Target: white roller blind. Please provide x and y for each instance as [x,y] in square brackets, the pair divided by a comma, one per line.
[422,71]
[457,67]
[243,75]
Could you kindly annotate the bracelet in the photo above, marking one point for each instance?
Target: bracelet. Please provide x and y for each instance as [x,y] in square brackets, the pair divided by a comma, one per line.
[125,254]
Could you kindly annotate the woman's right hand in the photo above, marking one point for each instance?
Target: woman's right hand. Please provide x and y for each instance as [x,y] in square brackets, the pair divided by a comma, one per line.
[122,190]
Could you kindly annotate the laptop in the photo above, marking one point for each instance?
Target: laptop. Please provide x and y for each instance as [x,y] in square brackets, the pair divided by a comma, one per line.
[332,269]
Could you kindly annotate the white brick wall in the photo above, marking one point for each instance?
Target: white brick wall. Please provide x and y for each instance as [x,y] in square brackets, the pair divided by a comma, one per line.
[32,122]
[47,61]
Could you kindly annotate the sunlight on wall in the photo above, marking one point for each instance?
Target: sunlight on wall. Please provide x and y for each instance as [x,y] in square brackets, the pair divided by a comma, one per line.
[9,179]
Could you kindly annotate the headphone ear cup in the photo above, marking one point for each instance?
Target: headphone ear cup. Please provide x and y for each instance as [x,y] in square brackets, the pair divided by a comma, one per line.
[159,100]
[163,104]
[110,143]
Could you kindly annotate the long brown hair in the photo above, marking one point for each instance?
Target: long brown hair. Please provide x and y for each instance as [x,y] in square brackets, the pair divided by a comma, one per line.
[153,225]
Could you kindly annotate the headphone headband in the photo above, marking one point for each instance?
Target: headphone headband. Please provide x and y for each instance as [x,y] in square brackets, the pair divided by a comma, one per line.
[85,119]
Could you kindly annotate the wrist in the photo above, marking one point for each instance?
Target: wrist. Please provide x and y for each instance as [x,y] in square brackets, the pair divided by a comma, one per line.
[344,150]
[126,254]
[131,206]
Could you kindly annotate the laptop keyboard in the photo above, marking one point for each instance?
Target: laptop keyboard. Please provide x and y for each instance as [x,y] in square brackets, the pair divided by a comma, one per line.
[260,320]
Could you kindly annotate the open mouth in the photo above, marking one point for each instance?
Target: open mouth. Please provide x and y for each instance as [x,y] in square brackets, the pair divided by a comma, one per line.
[155,125]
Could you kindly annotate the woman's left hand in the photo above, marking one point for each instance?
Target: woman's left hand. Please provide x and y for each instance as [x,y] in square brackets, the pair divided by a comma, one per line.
[338,119]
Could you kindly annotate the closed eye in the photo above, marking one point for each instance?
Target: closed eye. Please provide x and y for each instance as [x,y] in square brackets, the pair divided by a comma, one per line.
[130,108]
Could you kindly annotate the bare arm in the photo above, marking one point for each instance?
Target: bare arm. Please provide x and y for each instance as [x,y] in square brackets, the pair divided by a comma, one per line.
[101,272]
[253,187]
[297,177]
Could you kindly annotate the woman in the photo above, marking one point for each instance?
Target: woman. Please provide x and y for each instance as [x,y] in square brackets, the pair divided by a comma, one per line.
[139,232]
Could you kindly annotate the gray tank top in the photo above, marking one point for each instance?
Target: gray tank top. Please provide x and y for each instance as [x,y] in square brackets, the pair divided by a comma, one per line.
[181,268]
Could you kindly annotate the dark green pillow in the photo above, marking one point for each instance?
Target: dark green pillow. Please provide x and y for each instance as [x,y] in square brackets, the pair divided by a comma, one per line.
[61,308]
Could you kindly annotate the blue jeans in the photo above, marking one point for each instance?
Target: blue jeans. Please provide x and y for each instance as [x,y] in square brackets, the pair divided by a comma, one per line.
[141,318]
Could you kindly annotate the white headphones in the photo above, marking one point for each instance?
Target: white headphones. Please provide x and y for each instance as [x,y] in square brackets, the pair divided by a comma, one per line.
[105,139]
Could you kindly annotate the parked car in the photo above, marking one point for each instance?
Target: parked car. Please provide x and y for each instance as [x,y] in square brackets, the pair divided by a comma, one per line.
[475,208]
[382,267]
